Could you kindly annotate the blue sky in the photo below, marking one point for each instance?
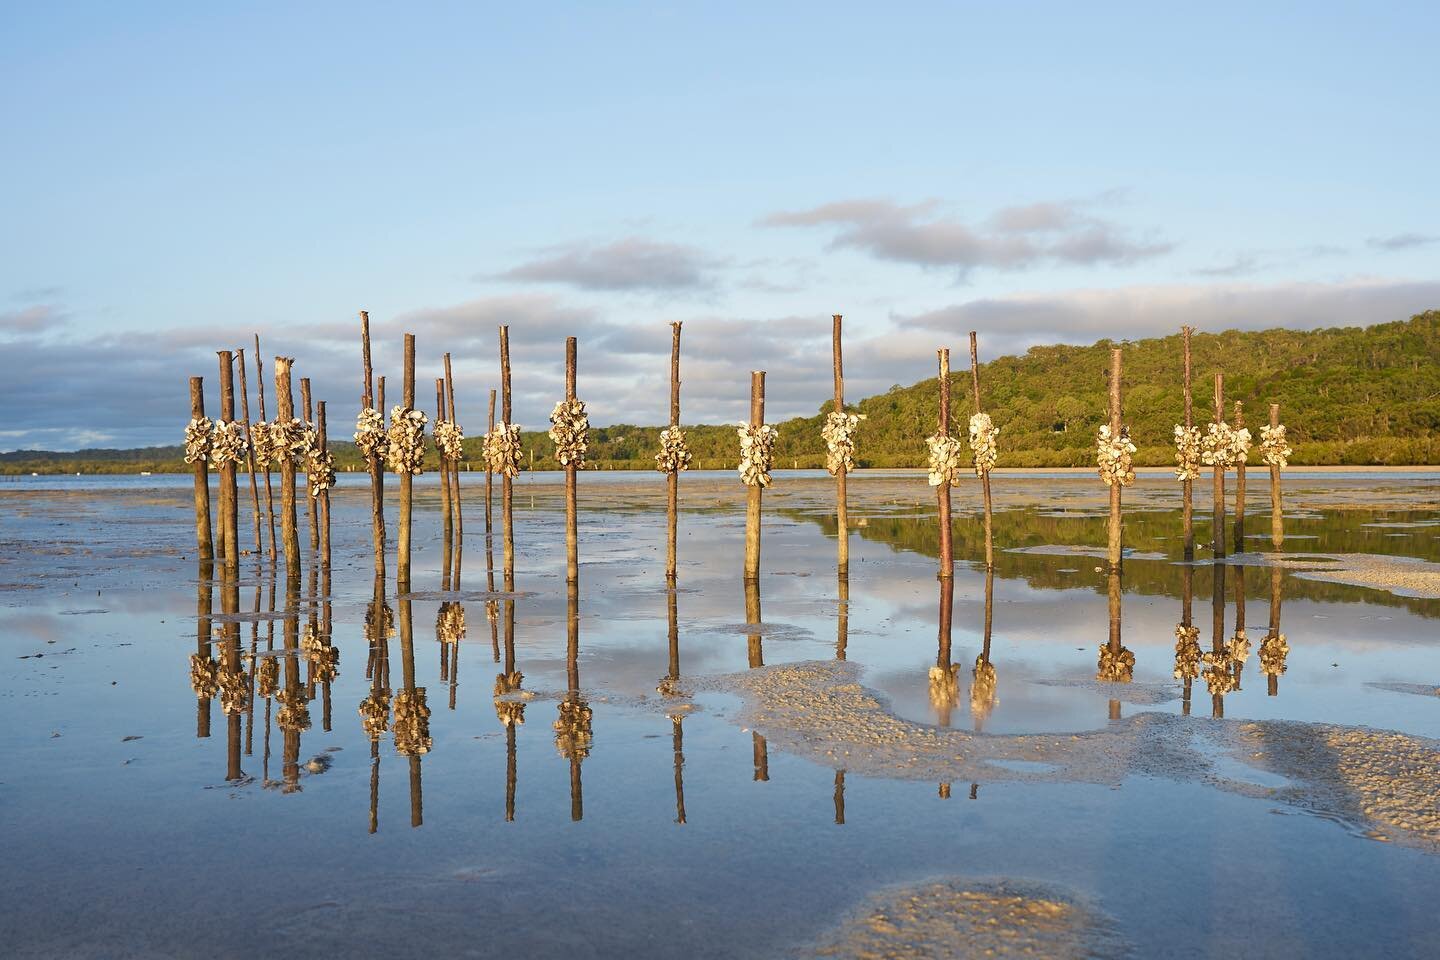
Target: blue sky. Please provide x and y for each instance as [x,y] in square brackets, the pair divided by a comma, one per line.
[177,176]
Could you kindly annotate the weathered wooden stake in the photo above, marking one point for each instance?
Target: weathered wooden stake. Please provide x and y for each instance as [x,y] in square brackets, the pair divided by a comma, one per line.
[285,412]
[753,493]
[984,477]
[229,495]
[1113,596]
[947,551]
[323,440]
[249,447]
[454,467]
[269,489]
[1239,485]
[1217,533]
[572,533]
[373,464]
[1277,518]
[201,467]
[672,479]
[1114,528]
[310,508]
[507,486]
[407,480]
[842,505]
[447,520]
[1187,509]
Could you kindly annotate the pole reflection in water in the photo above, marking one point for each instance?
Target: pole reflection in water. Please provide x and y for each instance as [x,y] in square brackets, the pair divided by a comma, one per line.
[669,688]
[204,671]
[572,727]
[1238,648]
[293,717]
[1219,677]
[755,649]
[842,639]
[944,676]
[1273,648]
[232,680]
[375,708]
[509,702]
[1187,639]
[450,626]
[982,678]
[411,726]
[1116,663]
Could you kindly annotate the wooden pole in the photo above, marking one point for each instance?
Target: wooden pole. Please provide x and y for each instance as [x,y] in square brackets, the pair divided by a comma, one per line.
[229,514]
[1277,519]
[323,439]
[407,480]
[985,476]
[1113,598]
[1114,530]
[572,533]
[285,412]
[458,513]
[447,518]
[672,479]
[373,464]
[753,493]
[269,489]
[947,551]
[1239,485]
[311,508]
[249,447]
[507,486]
[201,467]
[489,474]
[842,506]
[1217,534]
[1187,515]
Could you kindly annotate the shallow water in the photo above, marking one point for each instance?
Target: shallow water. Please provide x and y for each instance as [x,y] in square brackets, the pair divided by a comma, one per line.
[137,820]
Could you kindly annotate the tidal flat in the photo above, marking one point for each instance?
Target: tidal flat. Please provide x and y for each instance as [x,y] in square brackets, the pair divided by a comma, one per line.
[774,772]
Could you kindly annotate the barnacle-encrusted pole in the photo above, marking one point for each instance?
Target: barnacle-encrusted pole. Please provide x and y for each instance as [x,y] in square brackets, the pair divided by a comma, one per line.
[226,452]
[1240,483]
[264,461]
[489,473]
[842,619]
[758,479]
[982,678]
[572,467]
[454,463]
[407,477]
[1217,534]
[982,442]
[197,451]
[673,465]
[249,446]
[447,520]
[369,438]
[842,505]
[1113,529]
[1187,514]
[944,678]
[507,488]
[326,465]
[285,418]
[311,509]
[942,434]
[1276,452]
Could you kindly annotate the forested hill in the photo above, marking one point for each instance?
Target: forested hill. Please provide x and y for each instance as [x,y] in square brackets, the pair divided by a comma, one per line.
[1347,395]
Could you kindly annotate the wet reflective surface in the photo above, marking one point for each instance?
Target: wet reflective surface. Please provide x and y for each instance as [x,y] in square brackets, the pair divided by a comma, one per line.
[323,766]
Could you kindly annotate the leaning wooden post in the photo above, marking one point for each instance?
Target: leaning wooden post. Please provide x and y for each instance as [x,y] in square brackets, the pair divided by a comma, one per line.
[198,434]
[489,473]
[1187,507]
[507,487]
[447,517]
[753,491]
[1217,535]
[285,418]
[310,506]
[572,533]
[229,514]
[842,506]
[1277,519]
[674,458]
[456,511]
[249,447]
[1116,430]
[265,461]
[370,438]
[1242,450]
[986,445]
[947,552]
[322,440]
[407,478]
